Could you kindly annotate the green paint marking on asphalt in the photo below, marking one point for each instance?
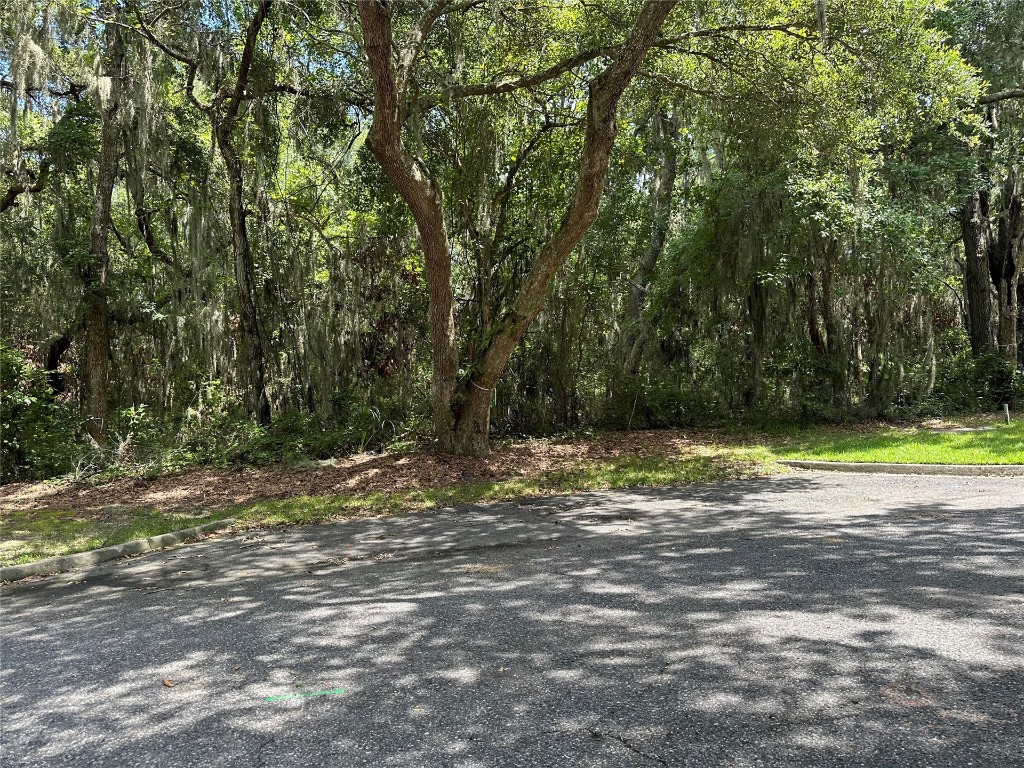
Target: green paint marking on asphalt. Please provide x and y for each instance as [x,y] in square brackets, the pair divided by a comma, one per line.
[332,692]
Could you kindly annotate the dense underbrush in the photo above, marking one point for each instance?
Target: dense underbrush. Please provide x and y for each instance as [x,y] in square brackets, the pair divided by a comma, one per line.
[43,436]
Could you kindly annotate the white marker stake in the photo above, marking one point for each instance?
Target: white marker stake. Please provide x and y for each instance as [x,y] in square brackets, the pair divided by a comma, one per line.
[1006,410]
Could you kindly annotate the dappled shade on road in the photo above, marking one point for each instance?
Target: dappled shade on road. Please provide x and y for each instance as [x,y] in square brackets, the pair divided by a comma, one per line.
[804,619]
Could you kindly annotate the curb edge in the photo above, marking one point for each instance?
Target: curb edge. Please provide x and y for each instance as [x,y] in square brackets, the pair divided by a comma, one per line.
[964,470]
[78,560]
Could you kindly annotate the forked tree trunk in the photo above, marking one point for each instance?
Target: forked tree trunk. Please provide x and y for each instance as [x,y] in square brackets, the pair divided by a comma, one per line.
[462,412]
[94,273]
[605,91]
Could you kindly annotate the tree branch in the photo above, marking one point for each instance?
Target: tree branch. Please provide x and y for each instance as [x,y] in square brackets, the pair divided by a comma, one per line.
[525,81]
[1012,93]
[10,199]
[566,65]
[605,91]
[252,34]
[789,28]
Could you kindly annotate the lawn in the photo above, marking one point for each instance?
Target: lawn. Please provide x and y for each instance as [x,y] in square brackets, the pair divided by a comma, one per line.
[43,520]
[32,534]
[998,445]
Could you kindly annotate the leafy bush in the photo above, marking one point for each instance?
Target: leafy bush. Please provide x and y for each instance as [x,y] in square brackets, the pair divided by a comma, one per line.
[210,431]
[37,431]
[968,384]
[637,404]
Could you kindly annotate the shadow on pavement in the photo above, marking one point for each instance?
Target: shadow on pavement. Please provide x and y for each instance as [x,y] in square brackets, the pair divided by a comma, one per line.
[799,620]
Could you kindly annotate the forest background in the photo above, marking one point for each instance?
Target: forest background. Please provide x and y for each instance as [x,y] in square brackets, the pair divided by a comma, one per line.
[247,231]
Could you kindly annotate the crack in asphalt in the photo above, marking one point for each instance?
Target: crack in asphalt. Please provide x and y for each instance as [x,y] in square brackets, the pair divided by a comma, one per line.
[597,733]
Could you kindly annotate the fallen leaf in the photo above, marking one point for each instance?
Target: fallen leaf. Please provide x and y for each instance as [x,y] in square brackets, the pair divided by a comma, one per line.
[168,682]
[906,694]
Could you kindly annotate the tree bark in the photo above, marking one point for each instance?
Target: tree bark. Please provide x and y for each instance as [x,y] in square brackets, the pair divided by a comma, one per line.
[224,113]
[462,413]
[413,182]
[757,341]
[977,237]
[250,342]
[95,271]
[51,364]
[1005,265]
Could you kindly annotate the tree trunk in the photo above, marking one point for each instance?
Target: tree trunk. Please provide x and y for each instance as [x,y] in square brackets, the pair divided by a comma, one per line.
[605,91]
[97,310]
[1005,264]
[252,364]
[976,232]
[54,354]
[224,114]
[635,334]
[421,193]
[757,341]
[462,413]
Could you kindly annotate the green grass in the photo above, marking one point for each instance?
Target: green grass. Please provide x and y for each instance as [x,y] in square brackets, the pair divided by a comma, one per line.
[33,535]
[632,472]
[1001,445]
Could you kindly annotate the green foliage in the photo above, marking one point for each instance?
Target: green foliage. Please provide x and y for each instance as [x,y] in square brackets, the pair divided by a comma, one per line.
[74,139]
[211,432]
[37,431]
[809,267]
[984,383]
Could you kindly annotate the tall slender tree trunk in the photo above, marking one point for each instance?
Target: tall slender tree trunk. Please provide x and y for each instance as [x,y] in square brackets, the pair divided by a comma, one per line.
[224,113]
[636,333]
[757,340]
[95,272]
[977,238]
[252,361]
[1005,263]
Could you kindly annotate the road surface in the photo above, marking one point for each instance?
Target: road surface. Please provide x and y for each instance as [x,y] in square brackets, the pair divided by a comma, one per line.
[807,620]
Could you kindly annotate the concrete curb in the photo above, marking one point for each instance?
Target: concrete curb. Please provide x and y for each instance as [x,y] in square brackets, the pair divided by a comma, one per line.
[971,470]
[96,556]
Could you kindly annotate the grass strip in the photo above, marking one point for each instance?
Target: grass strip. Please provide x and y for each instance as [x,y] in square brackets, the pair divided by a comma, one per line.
[36,534]
[26,536]
[998,445]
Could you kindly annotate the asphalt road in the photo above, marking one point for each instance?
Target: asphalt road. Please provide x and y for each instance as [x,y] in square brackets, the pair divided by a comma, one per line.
[807,619]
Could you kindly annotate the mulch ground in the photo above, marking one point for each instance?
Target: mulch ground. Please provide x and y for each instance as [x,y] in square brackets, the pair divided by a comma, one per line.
[219,488]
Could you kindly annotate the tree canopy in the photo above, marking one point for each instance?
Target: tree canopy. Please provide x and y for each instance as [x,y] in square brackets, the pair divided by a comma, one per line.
[378,220]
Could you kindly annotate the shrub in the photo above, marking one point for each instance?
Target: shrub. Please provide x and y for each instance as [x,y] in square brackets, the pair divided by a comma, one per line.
[37,430]
[970,384]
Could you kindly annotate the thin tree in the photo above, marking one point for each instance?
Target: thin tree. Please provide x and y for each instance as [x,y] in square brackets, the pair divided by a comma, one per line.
[97,266]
